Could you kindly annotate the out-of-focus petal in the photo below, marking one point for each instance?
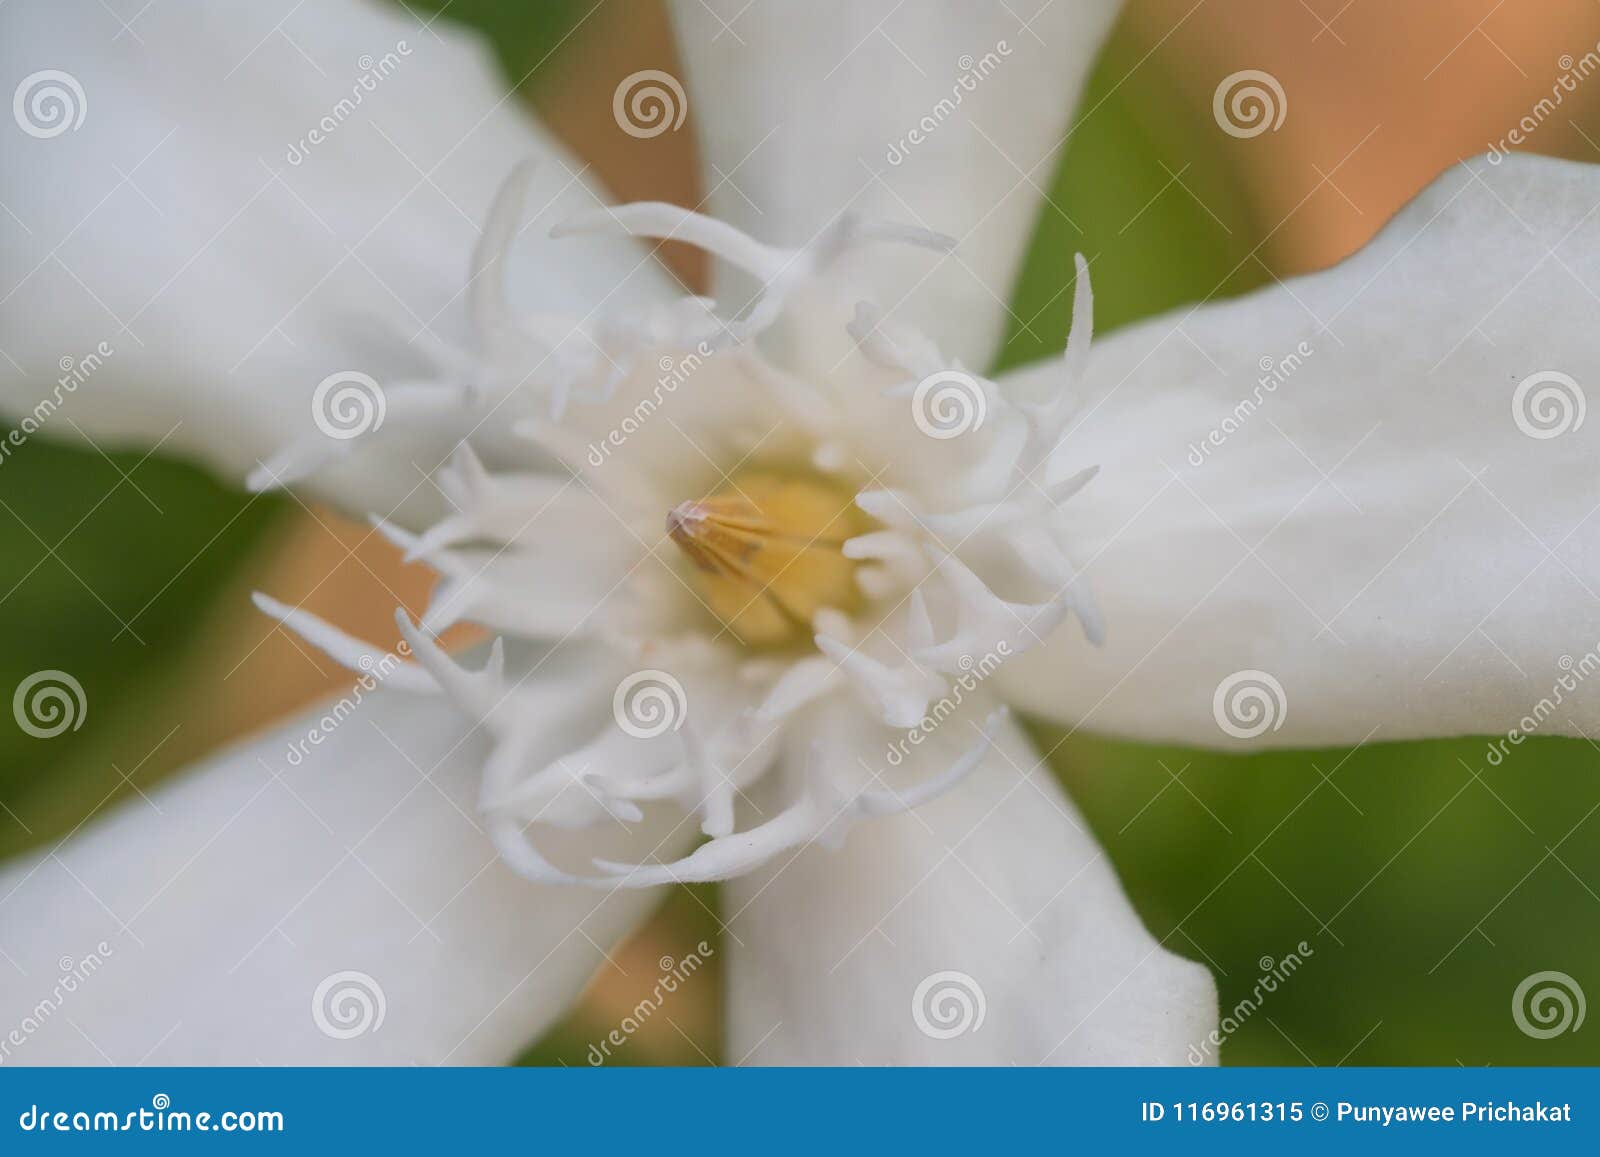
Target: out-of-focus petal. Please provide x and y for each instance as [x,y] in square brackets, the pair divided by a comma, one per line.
[1355,505]
[949,116]
[321,895]
[984,927]
[259,196]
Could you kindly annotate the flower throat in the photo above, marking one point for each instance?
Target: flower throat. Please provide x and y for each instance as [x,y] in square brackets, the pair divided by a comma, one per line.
[767,552]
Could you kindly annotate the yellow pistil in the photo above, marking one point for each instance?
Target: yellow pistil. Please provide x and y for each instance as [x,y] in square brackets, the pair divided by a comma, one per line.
[766,552]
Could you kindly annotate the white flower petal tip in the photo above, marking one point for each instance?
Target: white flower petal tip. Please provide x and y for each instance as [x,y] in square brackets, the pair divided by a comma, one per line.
[1367,502]
[202,985]
[261,480]
[488,302]
[996,891]
[849,146]
[397,535]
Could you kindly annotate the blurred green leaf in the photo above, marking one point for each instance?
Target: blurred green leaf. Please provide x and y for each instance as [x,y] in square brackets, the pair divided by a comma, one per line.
[108,565]
[1146,197]
[524,36]
[1426,882]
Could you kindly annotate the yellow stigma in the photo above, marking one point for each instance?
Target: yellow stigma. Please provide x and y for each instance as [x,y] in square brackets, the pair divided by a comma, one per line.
[767,552]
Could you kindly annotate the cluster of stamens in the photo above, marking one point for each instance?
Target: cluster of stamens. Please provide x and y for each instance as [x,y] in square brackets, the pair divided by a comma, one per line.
[815,595]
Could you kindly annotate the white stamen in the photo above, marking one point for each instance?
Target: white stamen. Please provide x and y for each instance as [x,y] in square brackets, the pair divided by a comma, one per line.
[347,650]
[889,803]
[501,566]
[902,692]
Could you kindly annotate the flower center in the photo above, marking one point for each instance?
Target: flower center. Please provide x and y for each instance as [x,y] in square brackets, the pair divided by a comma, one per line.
[767,552]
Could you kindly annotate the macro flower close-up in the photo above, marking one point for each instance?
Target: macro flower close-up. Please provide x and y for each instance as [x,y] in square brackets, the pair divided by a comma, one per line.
[832,534]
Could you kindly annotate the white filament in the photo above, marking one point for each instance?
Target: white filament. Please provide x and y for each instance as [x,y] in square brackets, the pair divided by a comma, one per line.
[931,607]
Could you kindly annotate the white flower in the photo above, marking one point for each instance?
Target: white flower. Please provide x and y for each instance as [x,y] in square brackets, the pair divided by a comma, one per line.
[763,569]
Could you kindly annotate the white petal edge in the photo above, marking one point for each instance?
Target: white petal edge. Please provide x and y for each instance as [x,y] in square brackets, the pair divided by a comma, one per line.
[227,277]
[1374,532]
[801,106]
[217,907]
[997,887]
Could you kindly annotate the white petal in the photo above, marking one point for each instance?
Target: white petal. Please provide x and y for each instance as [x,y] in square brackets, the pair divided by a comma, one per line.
[230,262]
[998,881]
[224,900]
[1383,540]
[810,109]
